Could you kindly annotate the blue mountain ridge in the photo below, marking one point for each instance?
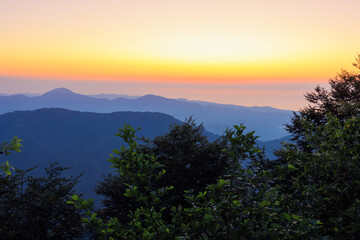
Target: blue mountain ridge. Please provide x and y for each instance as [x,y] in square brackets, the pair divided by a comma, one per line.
[81,140]
[267,122]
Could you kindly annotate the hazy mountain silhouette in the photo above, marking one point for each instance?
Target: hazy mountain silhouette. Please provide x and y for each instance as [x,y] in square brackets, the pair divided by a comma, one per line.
[114,96]
[266,121]
[272,145]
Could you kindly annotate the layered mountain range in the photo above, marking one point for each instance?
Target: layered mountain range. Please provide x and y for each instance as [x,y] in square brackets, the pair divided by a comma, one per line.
[266,121]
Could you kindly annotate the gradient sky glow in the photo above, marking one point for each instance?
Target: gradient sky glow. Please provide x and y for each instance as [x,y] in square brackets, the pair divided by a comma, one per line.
[177,43]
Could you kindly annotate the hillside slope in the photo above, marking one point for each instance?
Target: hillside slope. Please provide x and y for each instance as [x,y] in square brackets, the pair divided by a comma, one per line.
[80,140]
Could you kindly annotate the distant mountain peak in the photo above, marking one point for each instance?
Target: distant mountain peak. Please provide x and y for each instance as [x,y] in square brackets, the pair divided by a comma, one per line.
[59,91]
[151,97]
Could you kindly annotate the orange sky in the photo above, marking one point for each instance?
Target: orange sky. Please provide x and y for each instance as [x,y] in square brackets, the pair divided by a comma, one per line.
[207,42]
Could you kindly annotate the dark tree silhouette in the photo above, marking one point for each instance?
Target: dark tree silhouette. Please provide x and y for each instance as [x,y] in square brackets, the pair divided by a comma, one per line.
[36,208]
[191,163]
[342,100]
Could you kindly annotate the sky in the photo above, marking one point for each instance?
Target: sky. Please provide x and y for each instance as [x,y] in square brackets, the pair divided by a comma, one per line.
[259,52]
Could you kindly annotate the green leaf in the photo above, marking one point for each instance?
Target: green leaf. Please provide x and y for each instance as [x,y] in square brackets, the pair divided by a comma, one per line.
[75,197]
[291,167]
[287,216]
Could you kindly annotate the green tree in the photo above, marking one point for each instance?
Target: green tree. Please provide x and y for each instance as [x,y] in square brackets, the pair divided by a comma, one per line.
[243,205]
[35,207]
[191,162]
[139,171]
[231,208]
[320,172]
[5,149]
[325,182]
[342,100]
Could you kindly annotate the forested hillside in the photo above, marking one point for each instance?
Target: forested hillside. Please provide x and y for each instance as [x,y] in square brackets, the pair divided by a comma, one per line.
[80,140]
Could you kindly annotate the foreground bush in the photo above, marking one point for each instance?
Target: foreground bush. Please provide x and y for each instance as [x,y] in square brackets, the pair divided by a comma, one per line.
[238,206]
[35,207]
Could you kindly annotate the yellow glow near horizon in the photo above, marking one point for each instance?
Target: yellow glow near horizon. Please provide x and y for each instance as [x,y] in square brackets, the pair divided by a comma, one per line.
[202,41]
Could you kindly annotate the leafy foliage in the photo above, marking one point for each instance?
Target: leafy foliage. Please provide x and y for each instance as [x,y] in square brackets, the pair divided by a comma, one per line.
[5,149]
[325,182]
[341,101]
[323,165]
[232,208]
[35,207]
[191,162]
[139,170]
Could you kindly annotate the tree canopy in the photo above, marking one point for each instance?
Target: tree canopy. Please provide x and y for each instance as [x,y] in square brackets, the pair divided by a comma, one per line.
[35,207]
[191,163]
[342,100]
